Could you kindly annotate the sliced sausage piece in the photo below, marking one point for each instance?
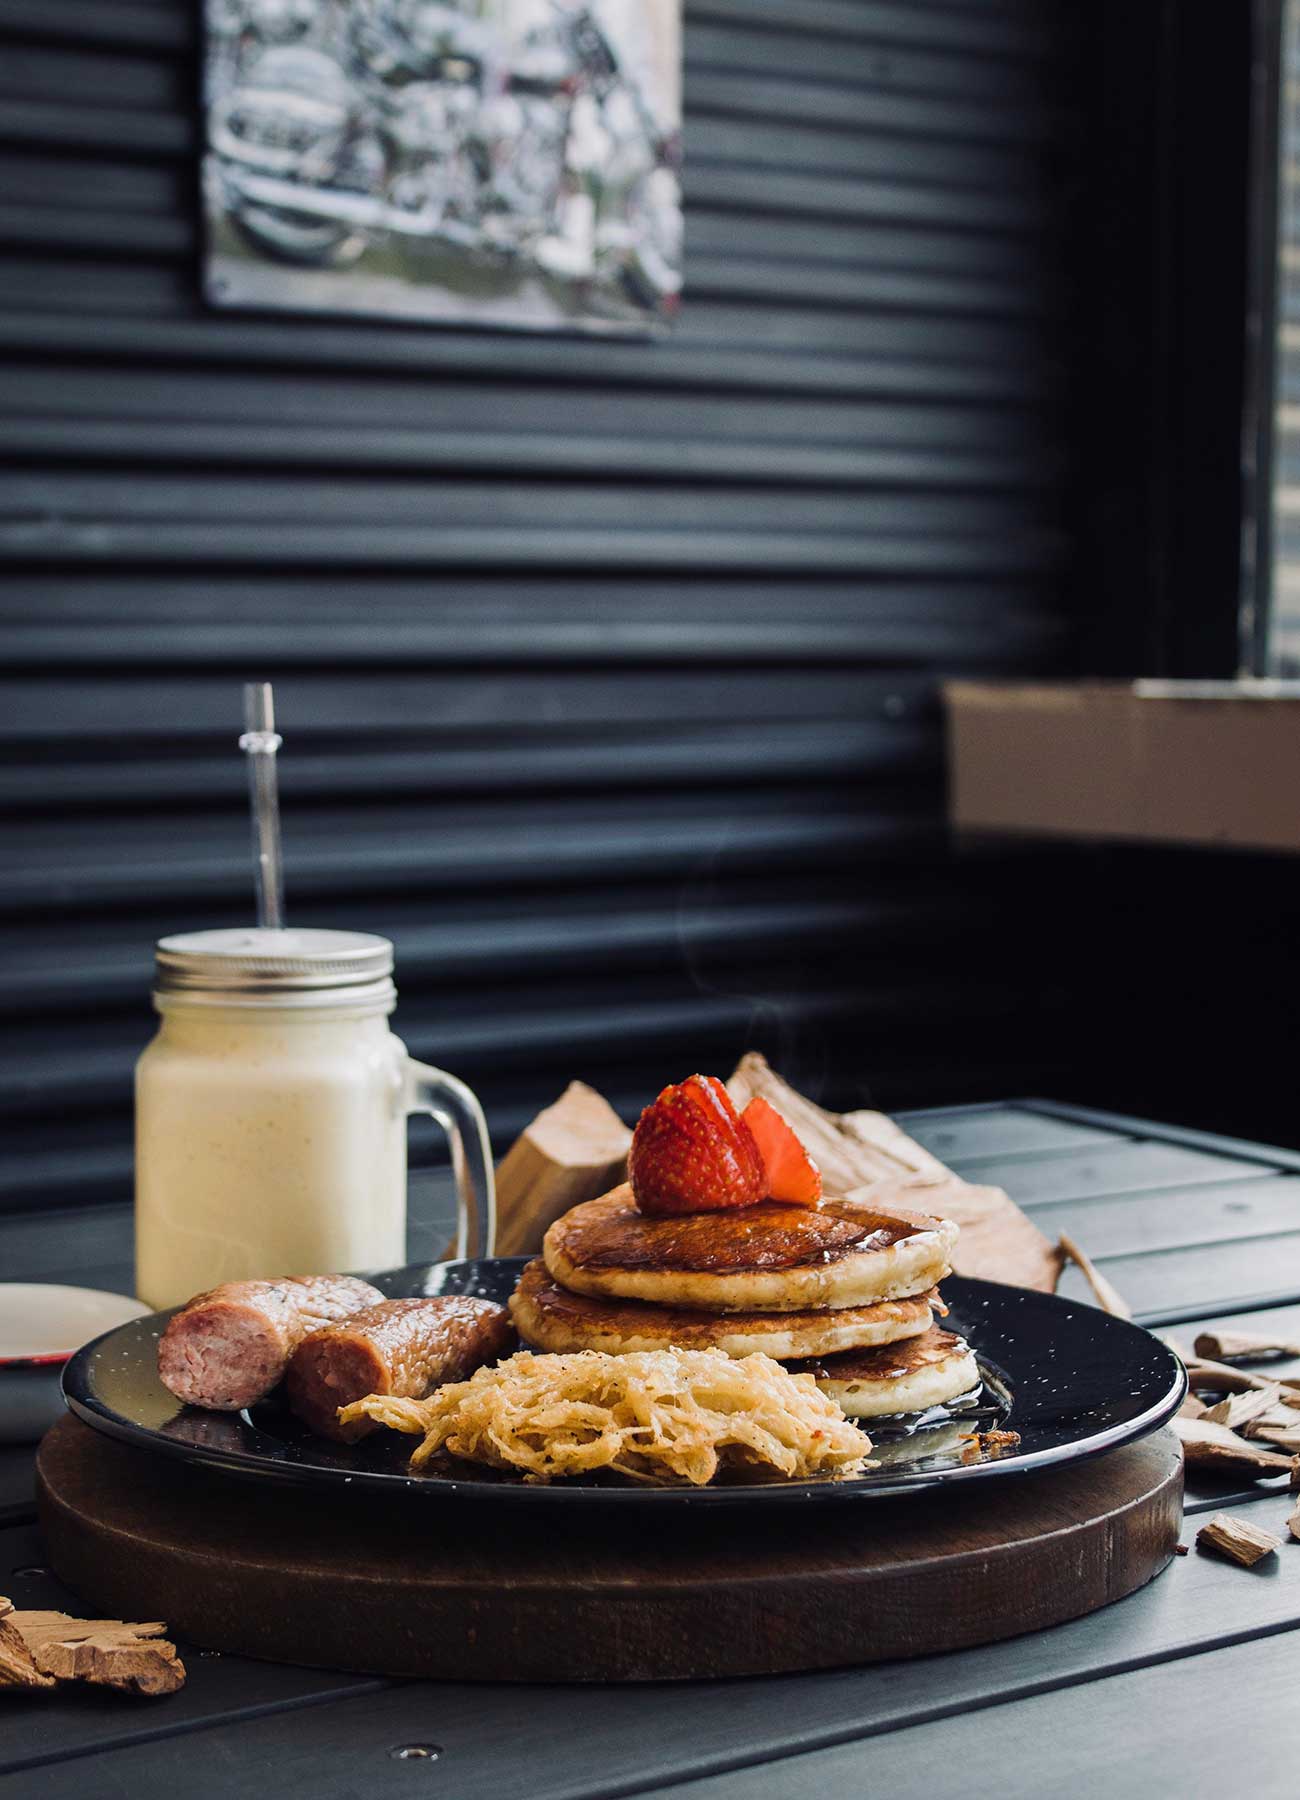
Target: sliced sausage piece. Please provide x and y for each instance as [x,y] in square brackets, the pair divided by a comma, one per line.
[402,1347]
[228,1348]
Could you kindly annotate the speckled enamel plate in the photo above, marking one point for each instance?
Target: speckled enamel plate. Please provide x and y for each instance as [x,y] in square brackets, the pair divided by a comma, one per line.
[1072,1381]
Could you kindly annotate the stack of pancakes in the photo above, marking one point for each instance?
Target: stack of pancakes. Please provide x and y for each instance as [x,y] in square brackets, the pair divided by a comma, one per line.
[846,1292]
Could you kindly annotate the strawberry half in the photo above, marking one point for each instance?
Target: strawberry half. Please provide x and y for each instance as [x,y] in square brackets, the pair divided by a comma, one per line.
[792,1175]
[691,1153]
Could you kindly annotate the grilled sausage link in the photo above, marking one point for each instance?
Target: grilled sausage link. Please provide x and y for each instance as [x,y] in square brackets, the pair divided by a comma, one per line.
[228,1348]
[402,1347]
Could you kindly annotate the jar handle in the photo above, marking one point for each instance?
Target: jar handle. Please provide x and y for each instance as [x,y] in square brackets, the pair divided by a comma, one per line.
[456,1108]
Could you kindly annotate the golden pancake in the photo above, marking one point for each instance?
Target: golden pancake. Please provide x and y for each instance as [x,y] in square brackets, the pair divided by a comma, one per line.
[766,1258]
[549,1317]
[897,1378]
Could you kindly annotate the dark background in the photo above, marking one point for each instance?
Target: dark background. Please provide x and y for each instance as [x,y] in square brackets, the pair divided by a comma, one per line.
[608,671]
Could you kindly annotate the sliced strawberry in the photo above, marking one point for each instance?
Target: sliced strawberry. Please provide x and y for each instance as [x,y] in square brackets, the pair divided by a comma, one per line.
[792,1175]
[691,1153]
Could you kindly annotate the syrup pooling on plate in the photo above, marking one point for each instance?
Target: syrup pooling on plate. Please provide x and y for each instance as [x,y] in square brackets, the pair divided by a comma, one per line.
[941,1437]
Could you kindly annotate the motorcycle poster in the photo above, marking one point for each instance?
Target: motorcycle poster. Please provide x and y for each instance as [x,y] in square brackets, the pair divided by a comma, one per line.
[489,162]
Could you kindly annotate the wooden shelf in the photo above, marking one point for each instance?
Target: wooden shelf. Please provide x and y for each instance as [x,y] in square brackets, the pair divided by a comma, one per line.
[1196,762]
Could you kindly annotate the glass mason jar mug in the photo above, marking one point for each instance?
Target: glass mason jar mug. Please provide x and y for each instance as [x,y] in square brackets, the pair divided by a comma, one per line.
[271,1114]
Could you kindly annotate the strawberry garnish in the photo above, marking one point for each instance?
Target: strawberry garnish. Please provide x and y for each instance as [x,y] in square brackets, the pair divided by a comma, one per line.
[792,1175]
[691,1153]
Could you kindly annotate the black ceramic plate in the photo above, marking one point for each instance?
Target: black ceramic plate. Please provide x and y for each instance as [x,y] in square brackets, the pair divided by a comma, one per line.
[1073,1382]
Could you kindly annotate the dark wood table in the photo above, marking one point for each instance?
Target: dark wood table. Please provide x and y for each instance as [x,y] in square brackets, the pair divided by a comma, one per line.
[1184,1689]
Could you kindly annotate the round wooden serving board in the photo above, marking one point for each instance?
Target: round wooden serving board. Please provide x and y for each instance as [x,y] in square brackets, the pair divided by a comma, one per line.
[463,1593]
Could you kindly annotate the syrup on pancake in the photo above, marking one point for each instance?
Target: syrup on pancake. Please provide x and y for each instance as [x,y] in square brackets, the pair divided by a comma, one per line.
[610,1233]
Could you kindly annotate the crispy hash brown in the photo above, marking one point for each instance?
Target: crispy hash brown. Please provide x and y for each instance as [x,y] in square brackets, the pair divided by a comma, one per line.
[655,1416]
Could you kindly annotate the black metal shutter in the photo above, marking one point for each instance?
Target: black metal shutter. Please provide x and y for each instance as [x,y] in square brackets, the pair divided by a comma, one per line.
[607,670]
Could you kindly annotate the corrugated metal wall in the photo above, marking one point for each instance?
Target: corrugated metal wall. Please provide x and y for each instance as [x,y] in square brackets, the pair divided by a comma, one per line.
[607,670]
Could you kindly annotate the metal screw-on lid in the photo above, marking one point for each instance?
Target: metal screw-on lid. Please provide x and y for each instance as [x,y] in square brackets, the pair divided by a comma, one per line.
[252,966]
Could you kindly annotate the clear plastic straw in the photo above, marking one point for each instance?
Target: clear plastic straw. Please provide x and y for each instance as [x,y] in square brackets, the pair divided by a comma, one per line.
[260,743]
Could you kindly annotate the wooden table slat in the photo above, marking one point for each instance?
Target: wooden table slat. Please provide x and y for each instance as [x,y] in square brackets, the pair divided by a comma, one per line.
[75,1720]
[580,1743]
[17,1487]
[999,1131]
[1148,1734]
[1177,1219]
[1122,1125]
[1208,1279]
[1106,1170]
[1278,1321]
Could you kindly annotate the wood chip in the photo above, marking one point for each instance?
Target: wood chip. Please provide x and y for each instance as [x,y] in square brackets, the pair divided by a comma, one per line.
[1280,1428]
[17,1666]
[1224,1379]
[573,1151]
[1108,1298]
[1293,1524]
[1295,1474]
[1210,1446]
[135,1659]
[1222,1346]
[1237,1539]
[1272,1415]
[1192,1408]
[1241,1409]
[987,1446]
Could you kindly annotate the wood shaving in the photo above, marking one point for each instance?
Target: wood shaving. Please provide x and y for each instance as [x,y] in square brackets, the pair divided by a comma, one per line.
[655,1416]
[1281,1428]
[1210,1446]
[135,1659]
[17,1665]
[1240,1409]
[1223,1346]
[573,1151]
[987,1446]
[1108,1297]
[1222,1378]
[1237,1539]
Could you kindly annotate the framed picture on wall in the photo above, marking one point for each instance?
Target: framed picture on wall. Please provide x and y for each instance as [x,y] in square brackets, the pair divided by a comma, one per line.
[472,162]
